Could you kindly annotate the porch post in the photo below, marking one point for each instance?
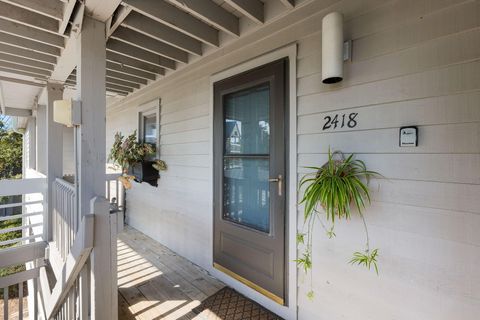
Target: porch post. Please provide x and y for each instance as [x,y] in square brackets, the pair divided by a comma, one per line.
[54,153]
[41,139]
[90,163]
[90,157]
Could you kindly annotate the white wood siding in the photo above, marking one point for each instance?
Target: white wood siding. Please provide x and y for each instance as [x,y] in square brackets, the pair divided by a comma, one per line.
[415,62]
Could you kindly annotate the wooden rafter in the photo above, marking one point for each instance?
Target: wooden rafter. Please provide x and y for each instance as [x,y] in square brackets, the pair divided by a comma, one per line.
[288,3]
[28,44]
[30,33]
[253,9]
[26,62]
[120,68]
[139,54]
[211,13]
[23,73]
[117,19]
[159,31]
[25,53]
[27,17]
[134,63]
[19,67]
[48,8]
[66,14]
[177,19]
[144,42]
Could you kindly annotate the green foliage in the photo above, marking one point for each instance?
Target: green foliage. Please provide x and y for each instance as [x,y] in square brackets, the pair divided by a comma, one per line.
[10,168]
[11,152]
[160,165]
[333,189]
[126,152]
[368,259]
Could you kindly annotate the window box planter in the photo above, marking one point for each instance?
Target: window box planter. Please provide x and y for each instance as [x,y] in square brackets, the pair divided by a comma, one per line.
[143,171]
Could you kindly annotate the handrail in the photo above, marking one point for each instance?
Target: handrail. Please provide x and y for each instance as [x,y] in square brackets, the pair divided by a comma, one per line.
[12,187]
[72,266]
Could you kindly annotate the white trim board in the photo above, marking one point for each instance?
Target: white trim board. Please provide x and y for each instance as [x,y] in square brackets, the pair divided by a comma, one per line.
[290,52]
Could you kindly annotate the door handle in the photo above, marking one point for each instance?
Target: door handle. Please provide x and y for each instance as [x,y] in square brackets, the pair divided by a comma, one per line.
[279,181]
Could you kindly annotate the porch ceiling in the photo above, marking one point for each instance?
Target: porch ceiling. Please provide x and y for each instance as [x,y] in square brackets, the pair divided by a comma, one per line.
[146,39]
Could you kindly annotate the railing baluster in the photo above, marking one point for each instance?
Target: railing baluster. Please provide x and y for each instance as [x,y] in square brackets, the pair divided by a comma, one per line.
[5,303]
[20,301]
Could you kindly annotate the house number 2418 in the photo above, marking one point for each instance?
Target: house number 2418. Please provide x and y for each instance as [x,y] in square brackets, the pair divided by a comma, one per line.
[340,121]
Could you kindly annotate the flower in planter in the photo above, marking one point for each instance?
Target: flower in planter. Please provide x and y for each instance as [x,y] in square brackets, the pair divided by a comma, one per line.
[126,152]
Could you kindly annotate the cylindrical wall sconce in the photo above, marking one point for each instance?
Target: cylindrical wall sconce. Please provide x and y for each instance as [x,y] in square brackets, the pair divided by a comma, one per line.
[332,48]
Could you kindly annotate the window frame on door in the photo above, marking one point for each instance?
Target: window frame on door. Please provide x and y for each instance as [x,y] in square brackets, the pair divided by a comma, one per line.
[145,110]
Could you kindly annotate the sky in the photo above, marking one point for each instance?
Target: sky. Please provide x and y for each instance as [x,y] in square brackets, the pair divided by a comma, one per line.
[6,120]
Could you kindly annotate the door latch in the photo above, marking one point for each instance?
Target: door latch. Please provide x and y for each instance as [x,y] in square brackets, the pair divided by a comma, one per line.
[279,181]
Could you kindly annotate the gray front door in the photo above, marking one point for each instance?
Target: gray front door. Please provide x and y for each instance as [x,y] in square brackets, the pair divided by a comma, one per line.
[249,178]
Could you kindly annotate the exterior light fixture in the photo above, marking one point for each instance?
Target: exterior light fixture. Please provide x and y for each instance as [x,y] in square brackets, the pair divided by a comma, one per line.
[333,48]
[67,112]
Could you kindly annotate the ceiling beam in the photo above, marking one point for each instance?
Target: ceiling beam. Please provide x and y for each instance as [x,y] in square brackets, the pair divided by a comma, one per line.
[26,62]
[19,67]
[125,77]
[49,8]
[101,10]
[23,73]
[288,3]
[139,54]
[177,19]
[21,81]
[68,60]
[122,93]
[252,9]
[117,19]
[30,54]
[134,63]
[159,31]
[147,43]
[122,83]
[23,31]
[29,45]
[211,13]
[116,75]
[16,112]
[66,14]
[30,18]
[120,68]
[118,87]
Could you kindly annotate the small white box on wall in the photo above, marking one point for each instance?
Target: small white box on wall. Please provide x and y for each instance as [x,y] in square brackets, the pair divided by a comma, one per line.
[409,136]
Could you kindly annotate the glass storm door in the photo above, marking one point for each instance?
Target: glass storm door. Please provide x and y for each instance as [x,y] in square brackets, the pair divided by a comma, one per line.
[249,178]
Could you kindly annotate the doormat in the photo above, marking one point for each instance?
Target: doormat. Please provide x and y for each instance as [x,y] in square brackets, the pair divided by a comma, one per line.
[228,304]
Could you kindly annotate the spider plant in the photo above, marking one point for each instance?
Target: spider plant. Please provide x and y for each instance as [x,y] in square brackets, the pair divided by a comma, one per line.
[333,189]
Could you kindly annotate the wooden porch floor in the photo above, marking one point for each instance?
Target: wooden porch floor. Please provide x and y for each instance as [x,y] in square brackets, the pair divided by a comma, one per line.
[156,283]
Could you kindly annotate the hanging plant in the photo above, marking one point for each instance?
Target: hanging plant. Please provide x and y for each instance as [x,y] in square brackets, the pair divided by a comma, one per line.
[332,190]
[126,152]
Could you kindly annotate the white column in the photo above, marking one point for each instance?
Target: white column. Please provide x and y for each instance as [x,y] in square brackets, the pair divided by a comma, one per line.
[90,135]
[54,156]
[41,139]
[90,165]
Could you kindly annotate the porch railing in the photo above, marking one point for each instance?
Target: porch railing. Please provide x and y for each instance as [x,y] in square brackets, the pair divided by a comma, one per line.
[115,192]
[65,218]
[24,245]
[70,295]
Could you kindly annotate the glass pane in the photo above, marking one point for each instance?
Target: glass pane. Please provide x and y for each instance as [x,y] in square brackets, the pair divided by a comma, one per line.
[150,129]
[246,198]
[246,124]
